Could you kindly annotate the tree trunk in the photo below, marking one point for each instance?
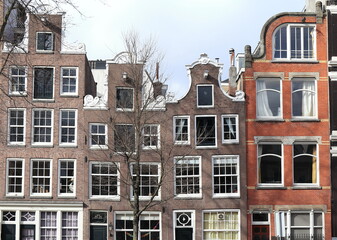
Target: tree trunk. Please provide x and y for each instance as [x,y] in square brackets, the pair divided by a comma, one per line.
[135,226]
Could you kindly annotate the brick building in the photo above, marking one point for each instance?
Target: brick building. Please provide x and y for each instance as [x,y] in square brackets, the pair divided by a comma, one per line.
[287,128]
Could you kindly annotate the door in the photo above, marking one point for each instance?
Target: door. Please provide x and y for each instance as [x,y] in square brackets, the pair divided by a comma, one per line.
[27,232]
[184,225]
[260,232]
[8,232]
[98,232]
[184,233]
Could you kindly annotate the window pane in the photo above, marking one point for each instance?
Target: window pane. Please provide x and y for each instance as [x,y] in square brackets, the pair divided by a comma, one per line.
[43,83]
[270,169]
[303,98]
[205,131]
[268,99]
[205,95]
[305,163]
[124,98]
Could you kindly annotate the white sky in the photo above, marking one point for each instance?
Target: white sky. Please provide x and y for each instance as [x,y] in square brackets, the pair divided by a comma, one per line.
[183,28]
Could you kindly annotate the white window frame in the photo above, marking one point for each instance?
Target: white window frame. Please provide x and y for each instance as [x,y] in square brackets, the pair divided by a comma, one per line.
[179,142]
[147,214]
[220,211]
[237,129]
[133,99]
[315,107]
[197,93]
[144,198]
[66,177]
[43,194]
[150,135]
[288,42]
[259,162]
[105,197]
[15,194]
[71,227]
[98,146]
[43,126]
[63,93]
[280,110]
[16,126]
[175,212]
[10,90]
[317,165]
[215,131]
[185,160]
[45,50]
[69,144]
[226,159]
[260,222]
[53,79]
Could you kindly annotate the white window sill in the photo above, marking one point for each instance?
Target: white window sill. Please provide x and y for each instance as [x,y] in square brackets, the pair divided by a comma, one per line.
[270,186]
[182,143]
[300,119]
[305,186]
[188,196]
[43,145]
[143,198]
[99,147]
[151,148]
[66,196]
[44,51]
[75,95]
[18,195]
[230,142]
[206,106]
[206,147]
[16,144]
[18,94]
[124,109]
[105,198]
[237,195]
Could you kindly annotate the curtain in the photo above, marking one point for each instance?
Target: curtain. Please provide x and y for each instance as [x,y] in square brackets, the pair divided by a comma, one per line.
[262,106]
[280,224]
[308,99]
[179,128]
[223,229]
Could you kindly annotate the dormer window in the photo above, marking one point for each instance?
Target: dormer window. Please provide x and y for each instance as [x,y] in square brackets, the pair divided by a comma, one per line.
[294,42]
[44,41]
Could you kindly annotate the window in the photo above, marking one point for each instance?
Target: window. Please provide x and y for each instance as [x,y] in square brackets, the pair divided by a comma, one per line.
[293,42]
[148,178]
[188,177]
[221,224]
[305,163]
[184,224]
[303,98]
[40,177]
[104,180]
[98,135]
[68,127]
[43,83]
[300,224]
[124,137]
[149,226]
[124,98]
[151,136]
[268,98]
[230,129]
[181,130]
[18,80]
[226,176]
[67,183]
[270,170]
[260,225]
[15,172]
[205,95]
[205,131]
[69,81]
[16,131]
[44,41]
[42,126]
[48,225]
[70,225]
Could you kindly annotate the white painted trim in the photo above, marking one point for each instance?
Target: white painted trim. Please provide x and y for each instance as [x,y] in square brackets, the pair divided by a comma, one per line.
[230,141]
[215,130]
[192,222]
[53,93]
[43,50]
[17,93]
[41,195]
[59,178]
[197,93]
[23,143]
[47,144]
[97,146]
[188,142]
[74,144]
[22,178]
[67,94]
[133,100]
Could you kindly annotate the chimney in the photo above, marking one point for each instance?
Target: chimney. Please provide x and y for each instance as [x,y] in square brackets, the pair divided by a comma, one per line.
[232,73]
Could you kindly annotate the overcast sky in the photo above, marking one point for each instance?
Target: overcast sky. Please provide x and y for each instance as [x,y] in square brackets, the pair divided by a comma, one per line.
[183,29]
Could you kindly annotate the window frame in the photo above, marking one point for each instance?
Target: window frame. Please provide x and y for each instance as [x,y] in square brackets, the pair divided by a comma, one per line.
[117,175]
[73,194]
[66,94]
[317,164]
[179,142]
[215,132]
[267,223]
[133,99]
[276,185]
[175,225]
[43,194]
[53,84]
[51,126]
[220,211]
[61,127]
[37,43]
[315,102]
[237,128]
[224,159]
[184,159]
[15,194]
[197,91]
[141,197]
[20,143]
[288,50]
[150,136]
[10,89]
[98,146]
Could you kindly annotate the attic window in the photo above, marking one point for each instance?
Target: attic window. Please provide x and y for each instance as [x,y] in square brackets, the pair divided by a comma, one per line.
[44,41]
